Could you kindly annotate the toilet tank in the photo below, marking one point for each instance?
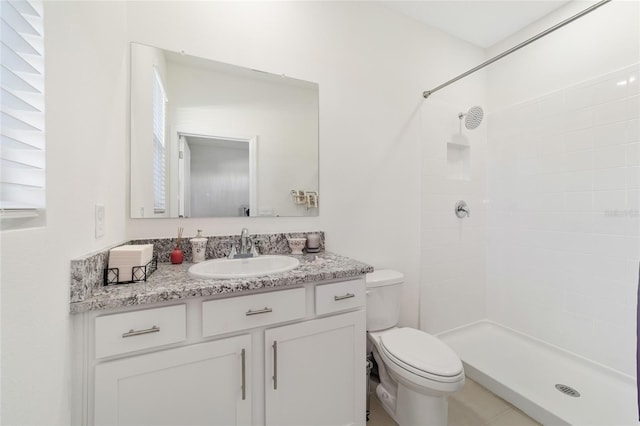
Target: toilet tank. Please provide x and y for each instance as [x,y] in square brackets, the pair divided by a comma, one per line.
[383,299]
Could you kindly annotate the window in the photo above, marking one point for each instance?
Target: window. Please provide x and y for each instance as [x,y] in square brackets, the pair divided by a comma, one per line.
[159,113]
[22,143]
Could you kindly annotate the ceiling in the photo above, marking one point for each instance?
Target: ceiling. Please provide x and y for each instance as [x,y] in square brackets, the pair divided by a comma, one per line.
[482,23]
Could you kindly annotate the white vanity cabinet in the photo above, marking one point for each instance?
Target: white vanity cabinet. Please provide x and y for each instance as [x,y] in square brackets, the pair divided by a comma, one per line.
[316,372]
[293,356]
[201,384]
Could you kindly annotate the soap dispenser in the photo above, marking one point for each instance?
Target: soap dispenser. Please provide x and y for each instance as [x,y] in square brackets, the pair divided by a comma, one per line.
[198,247]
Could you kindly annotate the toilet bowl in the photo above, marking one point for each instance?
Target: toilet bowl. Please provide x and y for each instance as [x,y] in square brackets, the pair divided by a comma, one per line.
[417,370]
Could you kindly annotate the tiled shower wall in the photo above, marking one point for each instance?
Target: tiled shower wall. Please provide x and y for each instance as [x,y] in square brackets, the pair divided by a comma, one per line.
[564,217]
[453,267]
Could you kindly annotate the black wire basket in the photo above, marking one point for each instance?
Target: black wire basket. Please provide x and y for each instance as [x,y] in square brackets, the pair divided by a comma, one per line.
[138,273]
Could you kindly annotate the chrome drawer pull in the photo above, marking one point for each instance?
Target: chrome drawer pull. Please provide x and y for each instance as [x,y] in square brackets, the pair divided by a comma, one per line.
[346,296]
[133,332]
[275,364]
[259,311]
[244,376]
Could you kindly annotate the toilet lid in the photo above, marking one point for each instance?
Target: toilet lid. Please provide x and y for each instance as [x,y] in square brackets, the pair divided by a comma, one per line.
[417,350]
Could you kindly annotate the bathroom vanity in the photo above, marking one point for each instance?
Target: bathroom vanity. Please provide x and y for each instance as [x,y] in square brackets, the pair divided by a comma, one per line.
[287,349]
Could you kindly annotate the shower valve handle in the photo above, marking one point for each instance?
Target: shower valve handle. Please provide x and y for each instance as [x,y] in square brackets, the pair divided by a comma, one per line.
[461,209]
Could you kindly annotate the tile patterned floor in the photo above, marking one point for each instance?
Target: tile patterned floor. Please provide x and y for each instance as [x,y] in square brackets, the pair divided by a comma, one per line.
[472,406]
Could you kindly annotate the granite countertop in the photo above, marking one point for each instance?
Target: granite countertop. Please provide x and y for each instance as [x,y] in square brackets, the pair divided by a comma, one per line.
[171,282]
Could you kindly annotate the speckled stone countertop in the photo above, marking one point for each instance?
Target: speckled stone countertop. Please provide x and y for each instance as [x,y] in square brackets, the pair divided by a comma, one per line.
[171,282]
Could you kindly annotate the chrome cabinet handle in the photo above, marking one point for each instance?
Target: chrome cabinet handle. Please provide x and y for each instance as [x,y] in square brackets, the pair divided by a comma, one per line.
[259,311]
[133,332]
[346,296]
[275,365]
[244,375]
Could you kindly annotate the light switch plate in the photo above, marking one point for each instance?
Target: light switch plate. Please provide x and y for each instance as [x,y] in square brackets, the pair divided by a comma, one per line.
[99,221]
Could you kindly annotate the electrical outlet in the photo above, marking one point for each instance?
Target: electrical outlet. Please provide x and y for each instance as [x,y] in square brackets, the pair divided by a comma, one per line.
[99,221]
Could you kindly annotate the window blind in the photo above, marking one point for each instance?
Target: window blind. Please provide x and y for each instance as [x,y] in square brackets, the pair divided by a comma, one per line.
[159,113]
[22,141]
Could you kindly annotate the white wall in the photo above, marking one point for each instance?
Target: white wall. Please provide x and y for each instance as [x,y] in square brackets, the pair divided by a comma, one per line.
[86,136]
[453,249]
[564,152]
[372,66]
[376,173]
[600,42]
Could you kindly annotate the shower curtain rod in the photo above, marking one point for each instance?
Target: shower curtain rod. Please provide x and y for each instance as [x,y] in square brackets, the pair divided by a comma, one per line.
[428,93]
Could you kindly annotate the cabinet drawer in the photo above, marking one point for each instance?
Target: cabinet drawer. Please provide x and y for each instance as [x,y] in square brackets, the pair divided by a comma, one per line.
[255,310]
[340,296]
[132,331]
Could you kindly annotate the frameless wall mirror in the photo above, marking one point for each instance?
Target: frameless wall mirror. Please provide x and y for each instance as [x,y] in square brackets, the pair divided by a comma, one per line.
[210,139]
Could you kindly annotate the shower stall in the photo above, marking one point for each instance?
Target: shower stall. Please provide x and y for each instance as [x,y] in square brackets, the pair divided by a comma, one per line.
[537,289]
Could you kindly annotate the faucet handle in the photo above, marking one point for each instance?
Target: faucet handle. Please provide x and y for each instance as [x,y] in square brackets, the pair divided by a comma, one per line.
[254,248]
[234,252]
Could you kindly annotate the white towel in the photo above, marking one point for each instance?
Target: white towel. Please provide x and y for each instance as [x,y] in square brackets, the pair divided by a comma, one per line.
[128,256]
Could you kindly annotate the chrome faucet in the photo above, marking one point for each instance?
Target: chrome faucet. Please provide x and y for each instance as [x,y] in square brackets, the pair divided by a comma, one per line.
[247,247]
[245,242]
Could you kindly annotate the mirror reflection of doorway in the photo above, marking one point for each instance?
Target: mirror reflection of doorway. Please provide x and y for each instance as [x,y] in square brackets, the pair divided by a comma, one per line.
[215,176]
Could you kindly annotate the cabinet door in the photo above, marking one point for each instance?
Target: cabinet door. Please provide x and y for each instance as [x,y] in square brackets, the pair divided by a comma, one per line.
[316,372]
[202,384]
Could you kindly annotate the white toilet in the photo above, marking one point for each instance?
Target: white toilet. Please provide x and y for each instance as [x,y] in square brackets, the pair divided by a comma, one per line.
[417,370]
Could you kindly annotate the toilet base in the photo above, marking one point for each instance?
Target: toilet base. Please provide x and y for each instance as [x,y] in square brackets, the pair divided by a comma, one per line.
[417,409]
[411,408]
[387,400]
[408,406]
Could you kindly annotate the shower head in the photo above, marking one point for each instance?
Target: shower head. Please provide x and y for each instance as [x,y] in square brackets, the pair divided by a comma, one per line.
[473,117]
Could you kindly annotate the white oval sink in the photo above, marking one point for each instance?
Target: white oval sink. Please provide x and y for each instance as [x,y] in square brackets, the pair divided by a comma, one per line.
[243,268]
